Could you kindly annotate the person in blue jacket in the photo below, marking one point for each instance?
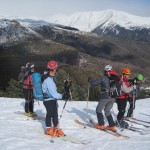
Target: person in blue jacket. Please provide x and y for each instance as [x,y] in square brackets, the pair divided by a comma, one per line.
[50,100]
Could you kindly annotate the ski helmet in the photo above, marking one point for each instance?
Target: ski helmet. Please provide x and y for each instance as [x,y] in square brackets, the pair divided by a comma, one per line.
[140,77]
[30,65]
[126,71]
[108,68]
[52,65]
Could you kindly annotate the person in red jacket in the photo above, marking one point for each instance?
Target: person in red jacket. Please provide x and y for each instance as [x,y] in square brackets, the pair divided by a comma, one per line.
[28,90]
[122,99]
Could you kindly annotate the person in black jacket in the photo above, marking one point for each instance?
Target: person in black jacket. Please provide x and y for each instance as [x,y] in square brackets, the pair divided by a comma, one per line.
[107,98]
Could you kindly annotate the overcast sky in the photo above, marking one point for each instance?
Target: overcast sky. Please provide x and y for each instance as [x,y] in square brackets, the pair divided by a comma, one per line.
[46,8]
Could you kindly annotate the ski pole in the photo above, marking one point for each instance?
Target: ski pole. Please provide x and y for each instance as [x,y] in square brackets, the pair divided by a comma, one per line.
[70,94]
[88,96]
[68,91]
[133,104]
[87,102]
[63,109]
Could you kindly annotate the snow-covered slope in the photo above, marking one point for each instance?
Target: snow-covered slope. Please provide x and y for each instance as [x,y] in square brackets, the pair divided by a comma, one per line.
[18,133]
[13,30]
[88,21]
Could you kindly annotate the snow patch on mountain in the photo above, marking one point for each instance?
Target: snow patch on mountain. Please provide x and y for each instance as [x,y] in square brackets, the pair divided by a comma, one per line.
[13,31]
[88,21]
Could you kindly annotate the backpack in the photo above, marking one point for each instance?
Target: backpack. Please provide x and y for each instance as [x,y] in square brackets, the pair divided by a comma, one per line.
[115,86]
[37,90]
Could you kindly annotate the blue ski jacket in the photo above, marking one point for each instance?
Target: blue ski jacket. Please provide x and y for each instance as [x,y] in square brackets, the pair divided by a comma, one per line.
[50,90]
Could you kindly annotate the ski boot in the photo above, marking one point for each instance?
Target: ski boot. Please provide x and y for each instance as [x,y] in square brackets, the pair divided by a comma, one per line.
[50,131]
[101,127]
[111,128]
[123,124]
[28,114]
[58,131]
[34,114]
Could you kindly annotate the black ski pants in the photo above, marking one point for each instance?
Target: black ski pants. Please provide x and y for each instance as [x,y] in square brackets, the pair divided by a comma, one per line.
[51,113]
[29,100]
[121,103]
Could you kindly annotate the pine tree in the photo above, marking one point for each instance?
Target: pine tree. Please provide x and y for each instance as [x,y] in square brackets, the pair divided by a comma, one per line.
[14,89]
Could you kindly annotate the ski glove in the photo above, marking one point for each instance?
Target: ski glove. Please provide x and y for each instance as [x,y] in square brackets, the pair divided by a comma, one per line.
[65,96]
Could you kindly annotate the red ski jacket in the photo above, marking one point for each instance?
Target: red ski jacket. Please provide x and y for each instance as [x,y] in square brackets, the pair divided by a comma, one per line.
[126,88]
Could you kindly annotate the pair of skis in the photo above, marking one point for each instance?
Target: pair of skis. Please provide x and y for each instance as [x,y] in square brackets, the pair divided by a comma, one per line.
[92,124]
[138,121]
[28,117]
[138,130]
[52,139]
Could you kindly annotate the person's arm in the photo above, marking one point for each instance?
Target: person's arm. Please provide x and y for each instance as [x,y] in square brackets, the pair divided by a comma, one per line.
[95,82]
[52,89]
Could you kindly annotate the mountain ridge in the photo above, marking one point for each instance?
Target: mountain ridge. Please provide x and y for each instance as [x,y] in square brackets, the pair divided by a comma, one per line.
[95,18]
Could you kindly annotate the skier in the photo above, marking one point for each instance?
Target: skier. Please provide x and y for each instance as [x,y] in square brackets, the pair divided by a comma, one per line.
[107,97]
[136,82]
[50,100]
[122,99]
[28,90]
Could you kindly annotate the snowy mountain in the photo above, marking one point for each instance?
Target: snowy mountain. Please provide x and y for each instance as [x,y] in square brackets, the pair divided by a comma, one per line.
[17,30]
[88,21]
[22,133]
[109,22]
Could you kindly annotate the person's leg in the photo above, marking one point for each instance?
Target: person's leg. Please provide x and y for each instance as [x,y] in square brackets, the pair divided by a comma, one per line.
[26,96]
[49,113]
[130,110]
[55,113]
[100,107]
[121,108]
[108,115]
[31,103]
[57,130]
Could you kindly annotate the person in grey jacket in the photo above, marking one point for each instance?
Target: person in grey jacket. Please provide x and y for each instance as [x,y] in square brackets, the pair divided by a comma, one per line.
[107,98]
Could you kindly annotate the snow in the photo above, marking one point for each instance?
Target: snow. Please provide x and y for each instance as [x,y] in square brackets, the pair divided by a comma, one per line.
[18,133]
[87,21]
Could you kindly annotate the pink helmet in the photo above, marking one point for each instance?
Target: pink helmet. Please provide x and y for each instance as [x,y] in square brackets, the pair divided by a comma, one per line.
[52,65]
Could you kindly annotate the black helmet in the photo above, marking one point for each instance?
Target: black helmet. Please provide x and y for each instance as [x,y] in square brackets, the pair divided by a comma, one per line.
[29,65]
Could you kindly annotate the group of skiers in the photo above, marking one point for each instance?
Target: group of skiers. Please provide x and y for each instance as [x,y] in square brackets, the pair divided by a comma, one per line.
[50,95]
[119,89]
[114,88]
